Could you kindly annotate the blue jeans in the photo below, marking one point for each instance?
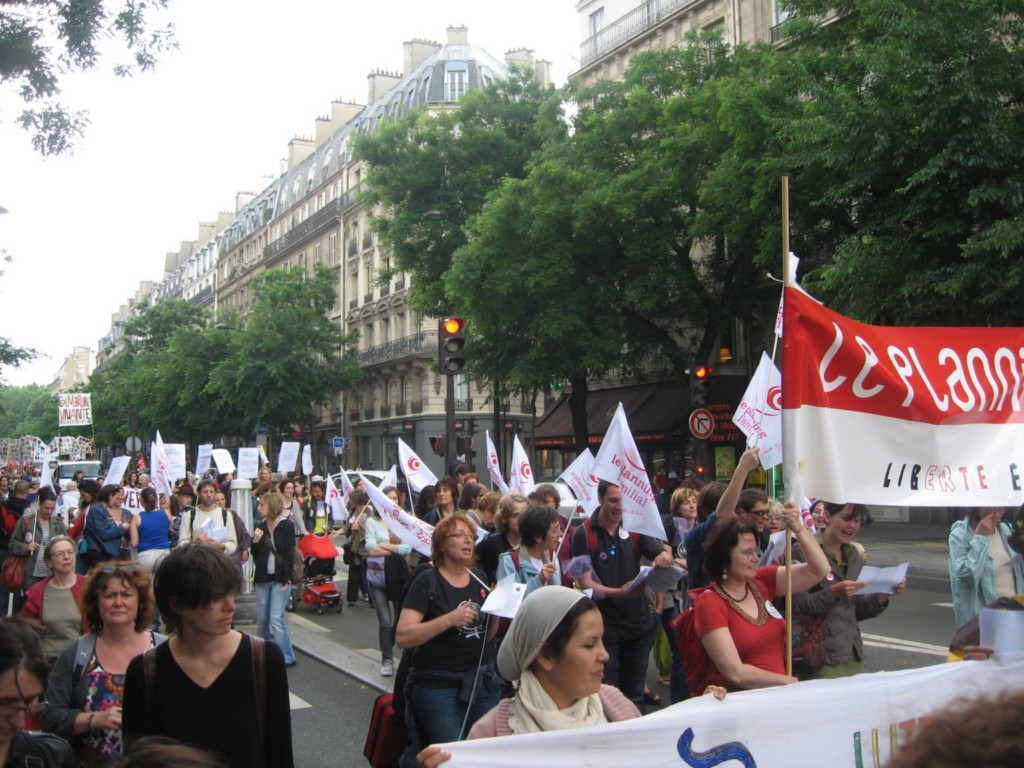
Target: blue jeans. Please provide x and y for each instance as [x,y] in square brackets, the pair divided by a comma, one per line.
[626,668]
[439,713]
[270,605]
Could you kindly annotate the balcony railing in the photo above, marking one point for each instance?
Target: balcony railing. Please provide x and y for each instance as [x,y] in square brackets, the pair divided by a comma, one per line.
[776,33]
[385,290]
[400,285]
[353,303]
[464,405]
[385,411]
[417,345]
[638,20]
[367,297]
[417,407]
[367,242]
[368,413]
[400,409]
[322,218]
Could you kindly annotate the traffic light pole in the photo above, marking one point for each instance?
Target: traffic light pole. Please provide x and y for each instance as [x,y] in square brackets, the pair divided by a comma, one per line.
[449,425]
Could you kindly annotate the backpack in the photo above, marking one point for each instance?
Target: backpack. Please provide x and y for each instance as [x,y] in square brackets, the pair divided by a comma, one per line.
[696,662]
[592,538]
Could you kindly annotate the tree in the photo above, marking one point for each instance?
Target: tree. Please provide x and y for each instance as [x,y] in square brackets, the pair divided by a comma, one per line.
[29,410]
[290,356]
[42,41]
[431,173]
[631,244]
[909,199]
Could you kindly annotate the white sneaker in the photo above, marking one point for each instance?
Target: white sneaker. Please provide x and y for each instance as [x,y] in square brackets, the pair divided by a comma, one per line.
[387,669]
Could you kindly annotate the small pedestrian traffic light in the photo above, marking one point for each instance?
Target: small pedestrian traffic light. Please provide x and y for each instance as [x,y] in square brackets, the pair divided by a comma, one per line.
[451,355]
[700,383]
[437,444]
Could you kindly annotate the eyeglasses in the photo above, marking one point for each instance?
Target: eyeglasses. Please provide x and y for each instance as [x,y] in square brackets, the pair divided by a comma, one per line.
[461,535]
[30,706]
[759,512]
[129,568]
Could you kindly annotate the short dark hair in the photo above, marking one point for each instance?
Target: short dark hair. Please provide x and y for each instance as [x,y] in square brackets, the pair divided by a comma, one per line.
[20,646]
[721,541]
[554,643]
[358,496]
[749,497]
[89,486]
[149,498]
[107,492]
[708,498]
[193,576]
[469,493]
[46,494]
[204,483]
[164,752]
[602,488]
[96,581]
[451,484]
[535,522]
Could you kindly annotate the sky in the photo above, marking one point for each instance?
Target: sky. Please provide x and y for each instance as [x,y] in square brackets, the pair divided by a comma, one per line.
[170,148]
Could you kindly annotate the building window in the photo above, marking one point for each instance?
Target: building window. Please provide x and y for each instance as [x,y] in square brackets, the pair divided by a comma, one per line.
[318,253]
[596,21]
[332,249]
[456,83]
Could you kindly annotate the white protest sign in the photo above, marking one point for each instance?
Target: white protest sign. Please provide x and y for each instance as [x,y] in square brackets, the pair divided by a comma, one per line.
[307,460]
[248,463]
[203,454]
[222,458]
[176,461]
[116,472]
[74,409]
[287,457]
[133,500]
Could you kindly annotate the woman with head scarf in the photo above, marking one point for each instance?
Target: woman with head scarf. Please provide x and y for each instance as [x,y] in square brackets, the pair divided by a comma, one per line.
[554,650]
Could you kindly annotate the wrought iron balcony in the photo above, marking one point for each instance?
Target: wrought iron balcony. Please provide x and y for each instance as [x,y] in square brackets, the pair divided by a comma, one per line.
[322,218]
[400,409]
[368,413]
[353,303]
[638,20]
[417,345]
[417,407]
[385,411]
[385,290]
[464,405]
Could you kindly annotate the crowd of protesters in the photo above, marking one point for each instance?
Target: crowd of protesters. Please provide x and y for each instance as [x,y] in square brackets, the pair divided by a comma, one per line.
[135,608]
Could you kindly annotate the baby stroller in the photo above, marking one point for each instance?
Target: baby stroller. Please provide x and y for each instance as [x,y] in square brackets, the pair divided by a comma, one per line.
[318,572]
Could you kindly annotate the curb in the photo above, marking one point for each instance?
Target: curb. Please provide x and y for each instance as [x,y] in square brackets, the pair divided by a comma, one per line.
[350,663]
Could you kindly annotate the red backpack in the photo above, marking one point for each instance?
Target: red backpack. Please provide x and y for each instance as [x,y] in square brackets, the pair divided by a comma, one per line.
[696,662]
[592,537]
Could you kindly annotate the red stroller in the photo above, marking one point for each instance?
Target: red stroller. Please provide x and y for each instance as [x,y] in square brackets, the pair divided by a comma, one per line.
[318,572]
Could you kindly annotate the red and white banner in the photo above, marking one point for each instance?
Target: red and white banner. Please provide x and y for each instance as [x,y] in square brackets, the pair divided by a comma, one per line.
[618,461]
[493,468]
[520,474]
[336,500]
[407,528]
[901,416]
[417,474]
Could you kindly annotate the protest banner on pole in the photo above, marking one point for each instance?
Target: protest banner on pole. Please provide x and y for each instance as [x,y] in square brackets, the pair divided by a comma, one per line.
[579,476]
[759,414]
[405,527]
[287,457]
[520,473]
[901,416]
[417,474]
[493,467]
[74,409]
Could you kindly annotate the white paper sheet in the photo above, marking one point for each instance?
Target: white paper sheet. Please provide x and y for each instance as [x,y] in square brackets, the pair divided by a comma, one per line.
[505,598]
[658,579]
[882,580]
[1002,631]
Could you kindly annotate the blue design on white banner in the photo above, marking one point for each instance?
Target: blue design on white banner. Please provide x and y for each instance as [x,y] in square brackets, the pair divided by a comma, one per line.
[731,750]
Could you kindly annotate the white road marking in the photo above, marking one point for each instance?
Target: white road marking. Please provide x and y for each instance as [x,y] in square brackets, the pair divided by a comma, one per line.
[943,605]
[895,643]
[305,623]
[297,702]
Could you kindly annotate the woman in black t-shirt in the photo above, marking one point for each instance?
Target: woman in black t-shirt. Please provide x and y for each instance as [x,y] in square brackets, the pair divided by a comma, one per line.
[441,621]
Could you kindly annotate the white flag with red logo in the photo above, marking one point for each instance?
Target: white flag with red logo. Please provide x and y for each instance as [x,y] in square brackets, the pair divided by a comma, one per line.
[160,461]
[901,416]
[337,501]
[390,477]
[520,474]
[759,415]
[493,469]
[417,474]
[580,477]
[618,461]
[407,528]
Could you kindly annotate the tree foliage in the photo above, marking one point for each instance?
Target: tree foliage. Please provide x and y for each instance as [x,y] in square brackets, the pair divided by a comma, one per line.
[28,410]
[908,157]
[42,41]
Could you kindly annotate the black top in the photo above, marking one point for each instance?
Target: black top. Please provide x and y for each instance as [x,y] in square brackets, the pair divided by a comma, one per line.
[616,563]
[284,543]
[222,718]
[488,551]
[457,649]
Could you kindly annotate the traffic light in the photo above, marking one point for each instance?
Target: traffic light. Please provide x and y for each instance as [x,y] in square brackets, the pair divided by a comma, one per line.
[437,444]
[451,357]
[700,383]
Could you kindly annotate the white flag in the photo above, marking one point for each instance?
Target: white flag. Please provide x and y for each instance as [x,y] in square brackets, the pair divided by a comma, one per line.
[759,415]
[405,527]
[160,463]
[263,456]
[307,460]
[346,487]
[45,473]
[336,502]
[492,465]
[390,478]
[417,474]
[619,462]
[579,476]
[520,475]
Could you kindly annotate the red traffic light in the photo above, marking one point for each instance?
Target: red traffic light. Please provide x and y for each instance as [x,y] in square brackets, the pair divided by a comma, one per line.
[453,325]
[702,372]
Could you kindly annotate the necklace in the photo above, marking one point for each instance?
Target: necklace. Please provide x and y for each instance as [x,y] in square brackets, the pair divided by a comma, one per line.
[733,600]
[762,612]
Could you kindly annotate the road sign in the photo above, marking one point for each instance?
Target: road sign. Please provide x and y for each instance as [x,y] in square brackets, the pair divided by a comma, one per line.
[702,423]
[339,444]
[133,444]
[262,428]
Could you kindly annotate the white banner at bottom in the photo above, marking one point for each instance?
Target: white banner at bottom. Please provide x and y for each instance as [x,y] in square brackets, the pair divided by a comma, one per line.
[856,722]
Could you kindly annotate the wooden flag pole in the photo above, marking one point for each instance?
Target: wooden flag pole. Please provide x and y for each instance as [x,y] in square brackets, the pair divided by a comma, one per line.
[789,538]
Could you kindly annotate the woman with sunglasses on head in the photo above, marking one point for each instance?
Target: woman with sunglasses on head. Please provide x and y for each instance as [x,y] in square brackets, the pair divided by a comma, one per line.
[55,603]
[22,680]
[84,695]
[452,681]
